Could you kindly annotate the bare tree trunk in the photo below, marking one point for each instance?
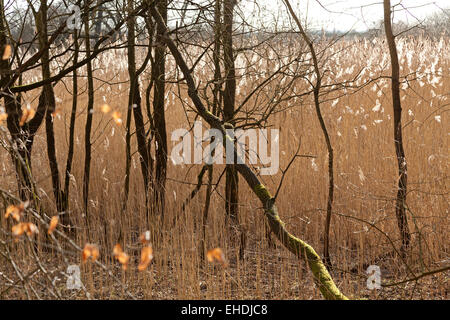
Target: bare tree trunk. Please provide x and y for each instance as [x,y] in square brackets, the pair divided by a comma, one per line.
[127,165]
[158,77]
[206,212]
[229,97]
[90,111]
[99,20]
[65,218]
[151,132]
[400,205]
[49,98]
[216,56]
[134,103]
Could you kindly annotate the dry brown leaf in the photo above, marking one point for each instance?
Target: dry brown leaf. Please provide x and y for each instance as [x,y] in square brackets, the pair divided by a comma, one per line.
[146,257]
[117,117]
[3,117]
[105,108]
[24,227]
[27,115]
[31,229]
[16,211]
[18,229]
[117,249]
[216,254]
[121,256]
[123,259]
[7,52]
[53,224]
[90,251]
[13,211]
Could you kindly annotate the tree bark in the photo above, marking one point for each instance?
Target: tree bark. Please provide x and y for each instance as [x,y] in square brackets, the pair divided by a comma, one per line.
[134,102]
[229,97]
[48,96]
[65,218]
[400,205]
[90,112]
[158,77]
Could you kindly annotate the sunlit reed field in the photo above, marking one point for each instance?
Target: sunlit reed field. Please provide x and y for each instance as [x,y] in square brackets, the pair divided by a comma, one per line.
[357,108]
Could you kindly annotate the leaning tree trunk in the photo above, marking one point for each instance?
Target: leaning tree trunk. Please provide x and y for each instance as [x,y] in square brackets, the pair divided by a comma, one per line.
[400,205]
[298,247]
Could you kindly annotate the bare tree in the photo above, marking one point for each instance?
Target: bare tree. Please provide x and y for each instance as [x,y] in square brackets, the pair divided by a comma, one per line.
[89,112]
[400,206]
[135,99]
[70,152]
[316,90]
[229,94]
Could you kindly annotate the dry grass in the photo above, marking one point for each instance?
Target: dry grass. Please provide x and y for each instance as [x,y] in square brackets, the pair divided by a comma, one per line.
[365,176]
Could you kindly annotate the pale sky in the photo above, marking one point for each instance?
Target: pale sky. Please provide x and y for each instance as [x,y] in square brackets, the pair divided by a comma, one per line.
[339,15]
[343,15]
